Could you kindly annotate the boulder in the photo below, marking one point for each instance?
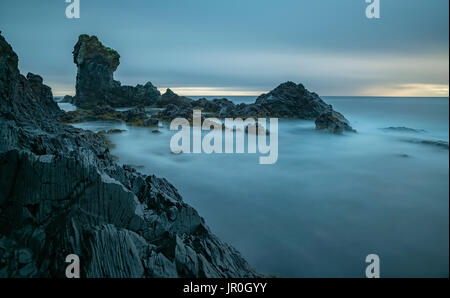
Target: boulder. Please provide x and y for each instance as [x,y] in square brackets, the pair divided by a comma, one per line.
[333,122]
[290,100]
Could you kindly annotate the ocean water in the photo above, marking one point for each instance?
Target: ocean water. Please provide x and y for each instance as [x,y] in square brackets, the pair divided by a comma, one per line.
[329,201]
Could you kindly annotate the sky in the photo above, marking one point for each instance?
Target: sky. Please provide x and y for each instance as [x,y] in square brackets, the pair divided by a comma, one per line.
[242,47]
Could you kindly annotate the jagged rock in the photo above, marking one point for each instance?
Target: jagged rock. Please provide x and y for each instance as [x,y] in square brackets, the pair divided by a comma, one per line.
[290,100]
[95,84]
[61,193]
[173,111]
[333,122]
[169,97]
[67,99]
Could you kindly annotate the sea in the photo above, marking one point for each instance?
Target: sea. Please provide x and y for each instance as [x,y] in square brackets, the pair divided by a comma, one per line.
[329,201]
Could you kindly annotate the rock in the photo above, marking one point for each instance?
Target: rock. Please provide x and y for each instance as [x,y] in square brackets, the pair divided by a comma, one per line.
[403,129]
[136,116]
[290,100]
[173,111]
[67,99]
[23,256]
[333,122]
[62,193]
[95,84]
[169,97]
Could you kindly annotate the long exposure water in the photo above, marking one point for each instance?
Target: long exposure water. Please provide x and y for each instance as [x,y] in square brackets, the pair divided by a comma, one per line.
[330,200]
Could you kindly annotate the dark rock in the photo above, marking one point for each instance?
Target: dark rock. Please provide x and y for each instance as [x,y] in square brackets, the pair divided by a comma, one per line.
[333,122]
[173,111]
[67,99]
[169,97]
[403,129]
[95,84]
[290,100]
[62,193]
[434,143]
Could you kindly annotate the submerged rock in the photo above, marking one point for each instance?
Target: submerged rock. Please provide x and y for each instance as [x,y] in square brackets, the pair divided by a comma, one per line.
[62,193]
[434,143]
[403,129]
[333,122]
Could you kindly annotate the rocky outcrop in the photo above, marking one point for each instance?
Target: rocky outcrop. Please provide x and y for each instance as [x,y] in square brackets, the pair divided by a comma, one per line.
[61,193]
[136,116]
[95,84]
[67,99]
[333,122]
[288,100]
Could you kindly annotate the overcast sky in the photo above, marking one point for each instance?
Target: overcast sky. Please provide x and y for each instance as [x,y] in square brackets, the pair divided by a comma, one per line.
[243,47]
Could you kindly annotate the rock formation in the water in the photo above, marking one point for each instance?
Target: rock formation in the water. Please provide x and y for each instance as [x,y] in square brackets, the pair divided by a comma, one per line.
[333,122]
[136,116]
[403,129]
[95,84]
[288,100]
[61,193]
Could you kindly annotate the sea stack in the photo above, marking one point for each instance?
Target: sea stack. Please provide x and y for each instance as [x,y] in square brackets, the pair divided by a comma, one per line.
[95,84]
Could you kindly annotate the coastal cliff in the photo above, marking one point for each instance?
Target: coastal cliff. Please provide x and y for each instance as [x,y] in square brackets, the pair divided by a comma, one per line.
[62,193]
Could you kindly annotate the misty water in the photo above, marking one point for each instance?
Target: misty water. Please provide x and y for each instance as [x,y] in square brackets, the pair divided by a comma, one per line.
[330,200]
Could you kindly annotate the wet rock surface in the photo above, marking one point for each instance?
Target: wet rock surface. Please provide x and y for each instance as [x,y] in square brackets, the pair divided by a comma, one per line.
[61,193]
[135,116]
[333,122]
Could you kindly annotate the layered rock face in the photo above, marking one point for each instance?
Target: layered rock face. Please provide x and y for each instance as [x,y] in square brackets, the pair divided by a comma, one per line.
[95,84]
[61,193]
